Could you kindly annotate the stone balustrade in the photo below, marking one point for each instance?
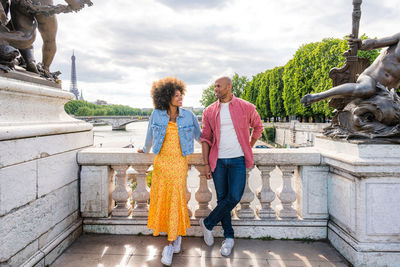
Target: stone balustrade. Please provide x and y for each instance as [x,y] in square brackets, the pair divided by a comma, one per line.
[297,210]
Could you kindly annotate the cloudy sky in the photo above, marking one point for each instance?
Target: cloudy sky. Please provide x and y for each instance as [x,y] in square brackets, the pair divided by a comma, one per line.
[122,46]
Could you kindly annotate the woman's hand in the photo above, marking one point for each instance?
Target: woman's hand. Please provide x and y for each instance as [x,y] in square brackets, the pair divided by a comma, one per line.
[207,171]
[140,151]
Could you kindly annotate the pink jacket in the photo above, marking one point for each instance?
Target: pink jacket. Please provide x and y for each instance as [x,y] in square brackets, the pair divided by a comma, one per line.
[244,115]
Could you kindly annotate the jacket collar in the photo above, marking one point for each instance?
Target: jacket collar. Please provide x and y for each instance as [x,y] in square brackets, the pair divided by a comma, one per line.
[233,100]
[164,112]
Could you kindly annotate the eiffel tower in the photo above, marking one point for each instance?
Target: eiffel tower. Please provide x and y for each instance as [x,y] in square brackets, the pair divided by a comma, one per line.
[73,88]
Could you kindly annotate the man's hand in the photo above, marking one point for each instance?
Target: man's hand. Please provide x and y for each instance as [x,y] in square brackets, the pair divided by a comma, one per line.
[207,171]
[140,151]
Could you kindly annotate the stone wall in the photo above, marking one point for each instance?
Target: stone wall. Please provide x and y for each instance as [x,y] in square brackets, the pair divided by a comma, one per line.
[363,200]
[297,133]
[39,186]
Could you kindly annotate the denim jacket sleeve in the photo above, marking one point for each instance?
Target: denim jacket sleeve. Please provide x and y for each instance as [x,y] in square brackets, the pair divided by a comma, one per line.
[197,131]
[149,136]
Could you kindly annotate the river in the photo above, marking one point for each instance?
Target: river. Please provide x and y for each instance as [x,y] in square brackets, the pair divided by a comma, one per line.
[134,134]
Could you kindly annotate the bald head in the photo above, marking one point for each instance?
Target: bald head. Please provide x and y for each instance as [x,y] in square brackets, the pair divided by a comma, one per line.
[224,79]
[223,89]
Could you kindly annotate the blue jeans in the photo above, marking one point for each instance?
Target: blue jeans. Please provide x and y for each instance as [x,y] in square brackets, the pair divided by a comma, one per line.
[229,179]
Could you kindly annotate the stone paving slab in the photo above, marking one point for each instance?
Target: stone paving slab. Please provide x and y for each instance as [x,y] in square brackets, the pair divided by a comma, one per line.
[128,250]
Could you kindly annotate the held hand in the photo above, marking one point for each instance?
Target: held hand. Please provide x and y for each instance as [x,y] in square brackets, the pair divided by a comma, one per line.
[207,171]
[140,151]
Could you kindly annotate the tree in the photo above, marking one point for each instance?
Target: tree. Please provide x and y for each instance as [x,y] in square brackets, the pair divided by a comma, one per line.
[238,84]
[262,100]
[275,92]
[208,97]
[251,91]
[84,111]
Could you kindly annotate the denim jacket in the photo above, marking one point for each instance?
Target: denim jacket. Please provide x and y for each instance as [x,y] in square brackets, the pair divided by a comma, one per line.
[188,130]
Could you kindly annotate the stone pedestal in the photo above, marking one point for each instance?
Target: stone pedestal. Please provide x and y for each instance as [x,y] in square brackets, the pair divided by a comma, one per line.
[39,205]
[363,200]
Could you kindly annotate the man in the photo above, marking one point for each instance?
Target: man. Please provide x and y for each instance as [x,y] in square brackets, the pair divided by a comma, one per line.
[385,70]
[227,153]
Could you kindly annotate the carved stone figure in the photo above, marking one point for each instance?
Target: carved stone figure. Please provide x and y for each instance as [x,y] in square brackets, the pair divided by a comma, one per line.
[20,32]
[368,107]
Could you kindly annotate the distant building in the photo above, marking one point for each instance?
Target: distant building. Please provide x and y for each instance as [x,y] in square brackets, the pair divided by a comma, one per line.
[81,96]
[73,88]
[188,108]
[100,102]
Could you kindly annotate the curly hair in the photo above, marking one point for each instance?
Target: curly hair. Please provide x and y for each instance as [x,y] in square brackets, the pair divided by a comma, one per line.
[163,90]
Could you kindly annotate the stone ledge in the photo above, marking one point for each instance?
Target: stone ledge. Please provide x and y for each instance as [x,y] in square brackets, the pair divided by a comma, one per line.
[127,156]
[21,74]
[57,245]
[354,253]
[364,246]
[42,129]
[195,222]
[314,229]
[18,151]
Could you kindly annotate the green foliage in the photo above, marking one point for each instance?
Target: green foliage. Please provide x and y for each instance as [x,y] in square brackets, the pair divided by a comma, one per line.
[84,111]
[84,108]
[275,92]
[308,72]
[268,134]
[208,97]
[262,99]
[297,79]
[239,84]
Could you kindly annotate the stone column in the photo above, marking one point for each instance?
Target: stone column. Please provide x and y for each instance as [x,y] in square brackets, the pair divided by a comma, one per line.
[287,195]
[203,194]
[122,192]
[265,194]
[245,212]
[141,194]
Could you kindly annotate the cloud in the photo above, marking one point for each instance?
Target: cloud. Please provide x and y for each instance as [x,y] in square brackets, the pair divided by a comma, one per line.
[123,46]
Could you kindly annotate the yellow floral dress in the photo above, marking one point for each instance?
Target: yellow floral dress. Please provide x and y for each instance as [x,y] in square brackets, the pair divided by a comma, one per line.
[168,211]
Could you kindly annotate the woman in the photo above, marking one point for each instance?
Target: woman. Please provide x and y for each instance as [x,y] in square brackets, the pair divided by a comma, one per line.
[171,132]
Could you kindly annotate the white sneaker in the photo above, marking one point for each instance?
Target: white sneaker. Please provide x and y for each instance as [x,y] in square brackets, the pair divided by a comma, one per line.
[208,235]
[177,244]
[227,246]
[167,254]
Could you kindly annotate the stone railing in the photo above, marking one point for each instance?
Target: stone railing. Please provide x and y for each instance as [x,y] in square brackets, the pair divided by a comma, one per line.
[290,200]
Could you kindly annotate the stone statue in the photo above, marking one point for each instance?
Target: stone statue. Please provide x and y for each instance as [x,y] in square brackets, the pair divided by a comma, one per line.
[20,32]
[368,107]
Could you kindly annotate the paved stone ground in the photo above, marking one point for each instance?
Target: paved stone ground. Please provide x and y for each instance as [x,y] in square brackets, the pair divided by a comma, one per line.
[128,250]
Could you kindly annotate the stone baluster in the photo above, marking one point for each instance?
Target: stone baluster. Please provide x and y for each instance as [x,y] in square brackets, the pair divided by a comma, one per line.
[265,194]
[245,211]
[188,196]
[203,194]
[287,195]
[122,192]
[141,194]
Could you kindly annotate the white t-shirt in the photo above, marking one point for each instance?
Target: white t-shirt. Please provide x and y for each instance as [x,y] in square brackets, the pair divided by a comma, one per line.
[229,146]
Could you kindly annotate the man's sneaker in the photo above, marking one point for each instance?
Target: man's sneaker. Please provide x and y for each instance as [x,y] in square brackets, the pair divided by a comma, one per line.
[208,235]
[227,246]
[167,254]
[177,244]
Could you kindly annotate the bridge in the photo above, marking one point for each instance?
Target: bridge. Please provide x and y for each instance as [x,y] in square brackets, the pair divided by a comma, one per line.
[117,122]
